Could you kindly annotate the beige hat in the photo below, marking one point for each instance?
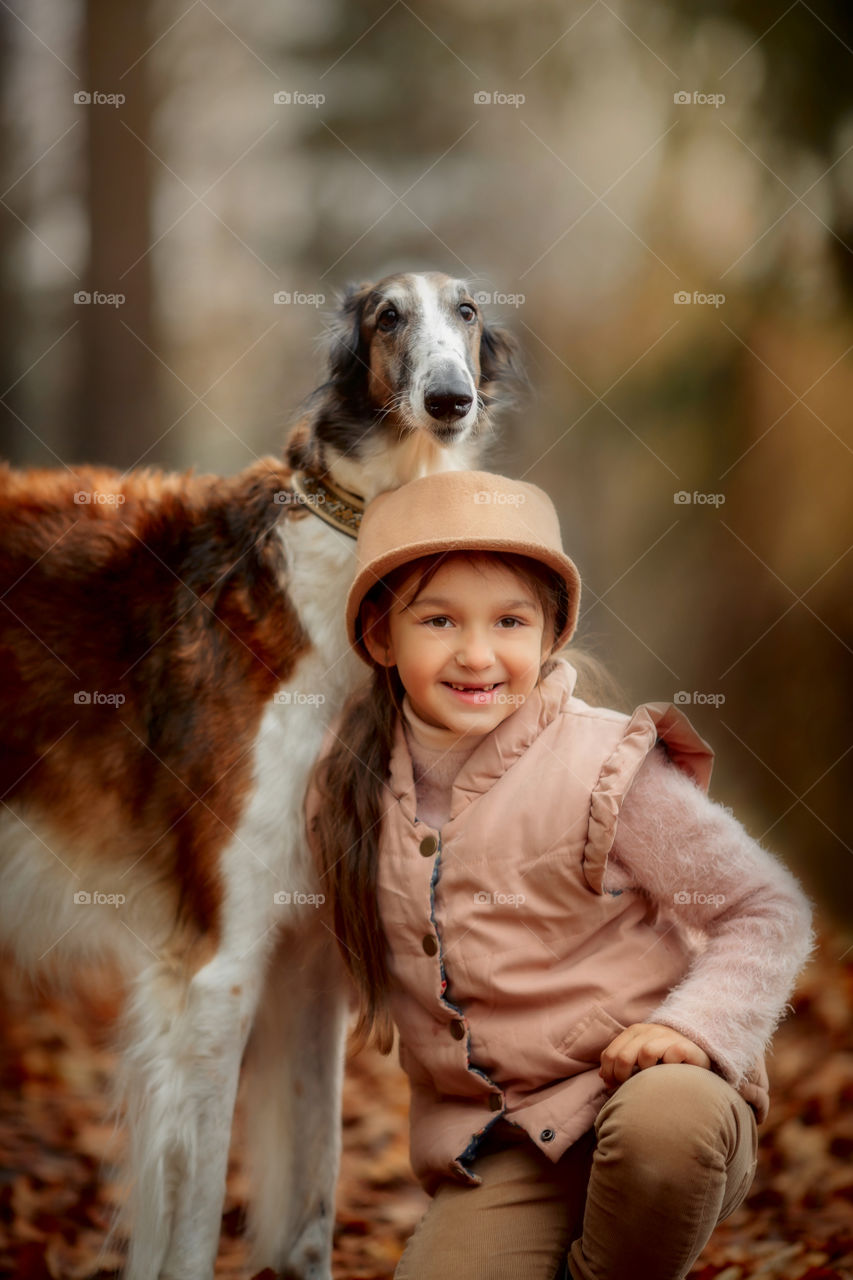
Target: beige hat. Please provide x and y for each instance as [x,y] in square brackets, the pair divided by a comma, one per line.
[458,511]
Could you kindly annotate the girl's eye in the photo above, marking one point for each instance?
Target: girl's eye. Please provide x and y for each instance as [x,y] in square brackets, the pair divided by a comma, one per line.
[388,319]
[517,622]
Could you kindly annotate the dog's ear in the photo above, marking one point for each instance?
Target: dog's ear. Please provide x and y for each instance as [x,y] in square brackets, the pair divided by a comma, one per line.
[502,375]
[348,356]
[343,395]
[299,446]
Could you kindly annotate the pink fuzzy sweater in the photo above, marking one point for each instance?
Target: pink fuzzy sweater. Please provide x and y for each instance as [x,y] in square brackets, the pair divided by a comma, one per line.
[752,919]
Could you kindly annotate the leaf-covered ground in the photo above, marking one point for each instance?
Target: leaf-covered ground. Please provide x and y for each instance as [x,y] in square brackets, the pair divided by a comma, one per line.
[57,1190]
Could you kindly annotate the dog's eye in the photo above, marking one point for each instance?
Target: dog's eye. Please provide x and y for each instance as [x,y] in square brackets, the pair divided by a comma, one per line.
[467,312]
[388,319]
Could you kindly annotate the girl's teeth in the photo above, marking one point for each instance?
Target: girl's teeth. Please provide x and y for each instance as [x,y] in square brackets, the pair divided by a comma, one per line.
[468,688]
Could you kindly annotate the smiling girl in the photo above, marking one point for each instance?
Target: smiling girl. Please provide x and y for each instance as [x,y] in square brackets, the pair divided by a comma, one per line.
[584,955]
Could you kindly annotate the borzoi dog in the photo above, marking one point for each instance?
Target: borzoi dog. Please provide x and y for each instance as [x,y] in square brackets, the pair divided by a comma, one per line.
[173,647]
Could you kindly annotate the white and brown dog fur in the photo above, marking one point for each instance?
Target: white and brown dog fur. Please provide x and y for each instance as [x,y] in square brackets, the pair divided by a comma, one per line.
[164,638]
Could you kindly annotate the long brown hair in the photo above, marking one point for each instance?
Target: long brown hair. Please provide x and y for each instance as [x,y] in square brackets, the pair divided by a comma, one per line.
[351,781]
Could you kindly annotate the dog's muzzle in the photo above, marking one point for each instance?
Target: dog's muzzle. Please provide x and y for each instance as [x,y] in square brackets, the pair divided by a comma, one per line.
[448,395]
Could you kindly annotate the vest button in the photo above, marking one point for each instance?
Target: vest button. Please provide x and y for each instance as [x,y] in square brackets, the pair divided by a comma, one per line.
[495,1102]
[429,945]
[457,1029]
[547,1135]
[428,846]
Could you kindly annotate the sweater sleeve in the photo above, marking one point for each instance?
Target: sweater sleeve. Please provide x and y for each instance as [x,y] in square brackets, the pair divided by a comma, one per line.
[693,858]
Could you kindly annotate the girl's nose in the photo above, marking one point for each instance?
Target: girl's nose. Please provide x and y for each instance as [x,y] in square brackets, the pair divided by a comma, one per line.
[476,652]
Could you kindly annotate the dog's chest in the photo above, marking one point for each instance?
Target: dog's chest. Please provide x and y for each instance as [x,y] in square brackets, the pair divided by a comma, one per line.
[321,564]
[320,568]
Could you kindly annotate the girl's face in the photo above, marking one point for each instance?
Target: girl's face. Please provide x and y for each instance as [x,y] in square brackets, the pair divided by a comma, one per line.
[473,625]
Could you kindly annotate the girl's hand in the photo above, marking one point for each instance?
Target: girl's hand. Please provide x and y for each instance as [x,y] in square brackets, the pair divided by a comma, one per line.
[645,1044]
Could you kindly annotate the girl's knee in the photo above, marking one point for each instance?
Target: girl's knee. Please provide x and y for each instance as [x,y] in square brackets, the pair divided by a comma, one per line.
[672,1088]
[676,1108]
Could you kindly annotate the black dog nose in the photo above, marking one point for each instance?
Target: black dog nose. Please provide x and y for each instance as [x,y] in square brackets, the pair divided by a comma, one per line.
[448,403]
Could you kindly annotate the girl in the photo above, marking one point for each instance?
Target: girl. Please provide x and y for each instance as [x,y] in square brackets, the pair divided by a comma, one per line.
[584,955]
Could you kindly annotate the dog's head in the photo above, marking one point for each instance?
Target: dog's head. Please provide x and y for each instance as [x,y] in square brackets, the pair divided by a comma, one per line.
[412,353]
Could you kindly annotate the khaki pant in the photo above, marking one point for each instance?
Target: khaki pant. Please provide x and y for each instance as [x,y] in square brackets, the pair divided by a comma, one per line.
[671,1154]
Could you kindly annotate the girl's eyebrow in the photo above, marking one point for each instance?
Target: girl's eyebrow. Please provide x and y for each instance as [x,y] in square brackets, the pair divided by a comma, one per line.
[443,603]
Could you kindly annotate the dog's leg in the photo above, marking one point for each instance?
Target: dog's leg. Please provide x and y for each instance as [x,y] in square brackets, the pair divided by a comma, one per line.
[182,1067]
[293,1098]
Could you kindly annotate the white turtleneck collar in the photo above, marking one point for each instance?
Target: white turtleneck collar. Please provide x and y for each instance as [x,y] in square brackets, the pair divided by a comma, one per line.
[437,755]
[433,737]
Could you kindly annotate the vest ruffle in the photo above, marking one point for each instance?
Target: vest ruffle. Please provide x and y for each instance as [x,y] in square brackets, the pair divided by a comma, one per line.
[651,722]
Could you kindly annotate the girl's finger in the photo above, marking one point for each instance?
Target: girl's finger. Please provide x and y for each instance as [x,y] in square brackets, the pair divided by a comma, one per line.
[655,1051]
[625,1061]
[687,1052]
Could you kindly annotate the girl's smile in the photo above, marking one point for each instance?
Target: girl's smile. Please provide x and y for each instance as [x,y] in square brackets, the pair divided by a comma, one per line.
[477,695]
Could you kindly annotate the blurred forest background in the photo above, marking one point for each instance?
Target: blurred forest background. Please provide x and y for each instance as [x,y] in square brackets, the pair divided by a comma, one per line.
[656,198]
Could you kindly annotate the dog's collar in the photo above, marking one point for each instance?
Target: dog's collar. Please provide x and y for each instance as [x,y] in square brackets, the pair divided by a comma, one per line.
[338,507]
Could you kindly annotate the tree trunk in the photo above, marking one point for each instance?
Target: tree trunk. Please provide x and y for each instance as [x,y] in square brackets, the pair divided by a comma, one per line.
[117,420]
